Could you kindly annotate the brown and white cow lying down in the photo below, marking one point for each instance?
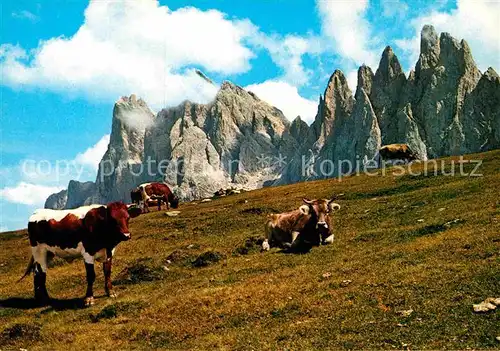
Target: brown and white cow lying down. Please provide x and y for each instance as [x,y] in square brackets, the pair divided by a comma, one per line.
[299,230]
[397,152]
[89,231]
[157,192]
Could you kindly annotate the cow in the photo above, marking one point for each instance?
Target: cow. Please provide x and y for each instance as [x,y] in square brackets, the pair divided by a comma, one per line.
[149,192]
[136,196]
[397,152]
[299,230]
[89,231]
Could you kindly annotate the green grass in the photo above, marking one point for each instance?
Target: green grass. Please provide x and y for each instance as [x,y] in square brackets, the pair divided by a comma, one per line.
[426,243]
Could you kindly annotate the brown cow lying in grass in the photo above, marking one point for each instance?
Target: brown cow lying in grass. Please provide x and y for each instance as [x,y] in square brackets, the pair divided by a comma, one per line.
[299,230]
[397,152]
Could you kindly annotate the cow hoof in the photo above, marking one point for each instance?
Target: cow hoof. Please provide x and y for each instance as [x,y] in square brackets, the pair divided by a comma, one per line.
[112,294]
[89,301]
[265,246]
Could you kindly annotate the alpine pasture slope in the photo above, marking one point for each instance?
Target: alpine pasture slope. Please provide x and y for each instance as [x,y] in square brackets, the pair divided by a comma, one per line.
[424,243]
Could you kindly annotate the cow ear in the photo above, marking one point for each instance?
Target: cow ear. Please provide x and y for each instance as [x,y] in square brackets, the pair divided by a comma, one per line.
[304,209]
[134,211]
[334,206]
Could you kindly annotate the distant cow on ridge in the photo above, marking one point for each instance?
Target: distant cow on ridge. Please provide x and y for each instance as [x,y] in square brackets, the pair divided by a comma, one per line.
[397,152]
[149,192]
[299,230]
[89,231]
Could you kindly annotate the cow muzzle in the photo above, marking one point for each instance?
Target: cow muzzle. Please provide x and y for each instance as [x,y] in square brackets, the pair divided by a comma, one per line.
[322,225]
[127,236]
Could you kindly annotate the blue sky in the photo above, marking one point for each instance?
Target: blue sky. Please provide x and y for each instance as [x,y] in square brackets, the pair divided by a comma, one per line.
[64,63]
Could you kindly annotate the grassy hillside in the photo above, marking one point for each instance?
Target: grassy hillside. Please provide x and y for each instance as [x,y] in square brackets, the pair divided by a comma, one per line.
[426,243]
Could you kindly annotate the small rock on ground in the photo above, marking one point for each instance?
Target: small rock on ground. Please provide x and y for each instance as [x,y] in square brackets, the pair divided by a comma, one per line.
[172,213]
[493,300]
[484,307]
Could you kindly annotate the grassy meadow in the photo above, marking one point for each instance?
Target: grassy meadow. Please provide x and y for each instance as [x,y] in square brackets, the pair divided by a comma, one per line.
[411,255]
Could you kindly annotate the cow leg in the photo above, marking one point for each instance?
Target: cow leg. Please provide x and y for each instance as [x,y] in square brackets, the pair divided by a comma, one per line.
[294,237]
[159,204]
[39,280]
[40,274]
[328,240]
[265,245]
[294,244]
[89,269]
[106,266]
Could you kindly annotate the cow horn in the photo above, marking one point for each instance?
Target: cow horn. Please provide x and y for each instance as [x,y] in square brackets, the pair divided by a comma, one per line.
[309,202]
[333,198]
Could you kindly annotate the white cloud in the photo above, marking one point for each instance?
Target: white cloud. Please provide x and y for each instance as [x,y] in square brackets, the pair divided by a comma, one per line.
[344,21]
[25,15]
[285,97]
[93,155]
[476,21]
[58,173]
[287,52]
[40,178]
[141,47]
[28,194]
[135,46]
[394,8]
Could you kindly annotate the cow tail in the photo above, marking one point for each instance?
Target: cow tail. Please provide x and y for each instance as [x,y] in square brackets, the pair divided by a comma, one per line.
[29,269]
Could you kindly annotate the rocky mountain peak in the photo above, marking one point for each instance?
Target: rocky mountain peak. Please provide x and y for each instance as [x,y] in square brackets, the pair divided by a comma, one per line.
[299,129]
[445,107]
[388,85]
[491,74]
[336,106]
[337,94]
[429,49]
[365,79]
[389,67]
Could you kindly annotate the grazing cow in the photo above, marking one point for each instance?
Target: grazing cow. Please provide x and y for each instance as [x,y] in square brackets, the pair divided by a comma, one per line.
[303,228]
[149,192]
[89,231]
[397,152]
[136,196]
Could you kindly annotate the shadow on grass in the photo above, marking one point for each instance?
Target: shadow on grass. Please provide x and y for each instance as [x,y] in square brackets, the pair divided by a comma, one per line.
[24,303]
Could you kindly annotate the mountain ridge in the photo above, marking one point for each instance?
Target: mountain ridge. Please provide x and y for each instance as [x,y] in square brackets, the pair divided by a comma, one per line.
[445,106]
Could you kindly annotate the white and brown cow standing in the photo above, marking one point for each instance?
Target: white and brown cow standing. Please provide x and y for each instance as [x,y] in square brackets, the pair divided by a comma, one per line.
[299,230]
[157,192]
[89,231]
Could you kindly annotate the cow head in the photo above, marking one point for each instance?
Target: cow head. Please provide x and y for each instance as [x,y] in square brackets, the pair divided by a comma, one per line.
[319,210]
[135,195]
[174,201]
[111,220]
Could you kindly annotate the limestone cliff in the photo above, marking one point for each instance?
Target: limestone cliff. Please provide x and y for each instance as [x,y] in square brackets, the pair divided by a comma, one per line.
[444,107]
